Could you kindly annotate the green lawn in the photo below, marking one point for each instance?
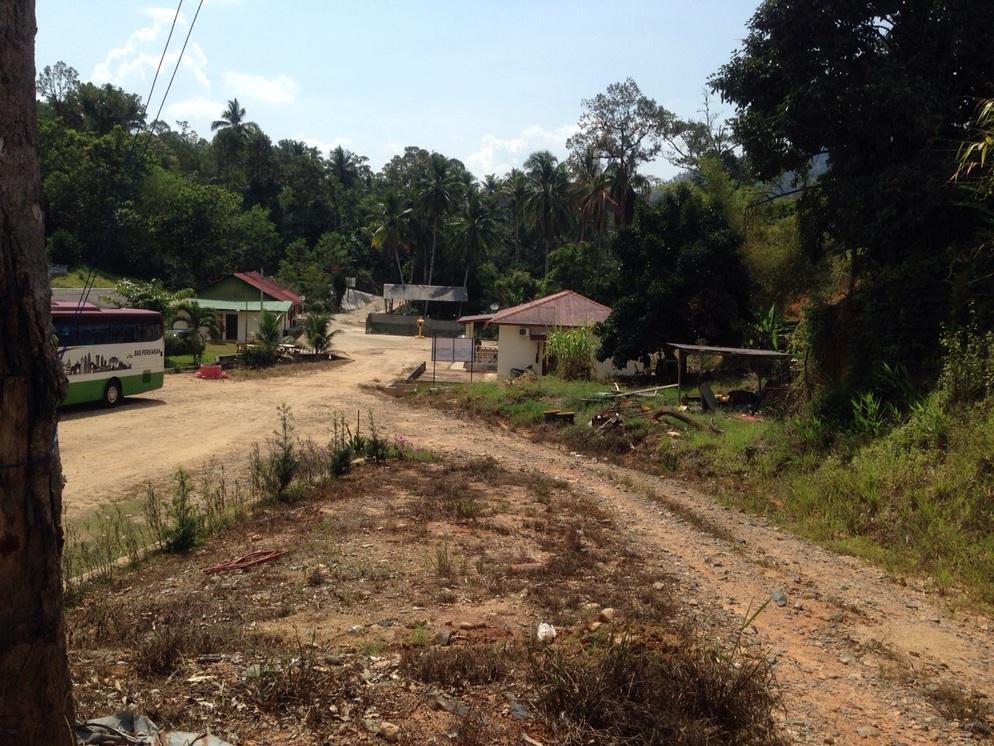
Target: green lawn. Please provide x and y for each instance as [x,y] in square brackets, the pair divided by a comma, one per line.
[211,352]
[76,278]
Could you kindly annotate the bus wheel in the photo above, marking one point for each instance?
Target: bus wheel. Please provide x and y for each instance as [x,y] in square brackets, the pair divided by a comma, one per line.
[112,392]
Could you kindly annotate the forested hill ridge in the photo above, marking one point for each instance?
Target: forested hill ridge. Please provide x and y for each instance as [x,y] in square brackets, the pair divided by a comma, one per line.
[882,258]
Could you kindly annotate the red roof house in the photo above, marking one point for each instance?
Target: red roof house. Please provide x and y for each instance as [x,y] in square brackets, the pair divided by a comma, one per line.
[522,329]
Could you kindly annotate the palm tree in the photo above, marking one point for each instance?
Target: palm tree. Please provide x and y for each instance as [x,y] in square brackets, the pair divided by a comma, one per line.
[438,189]
[491,185]
[319,335]
[593,194]
[296,149]
[625,187]
[270,333]
[344,166]
[476,231]
[198,319]
[233,120]
[394,233]
[514,190]
[232,131]
[547,201]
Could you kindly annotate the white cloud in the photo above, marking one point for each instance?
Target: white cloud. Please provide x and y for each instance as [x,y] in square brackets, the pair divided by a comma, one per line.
[198,111]
[280,90]
[324,147]
[133,66]
[498,156]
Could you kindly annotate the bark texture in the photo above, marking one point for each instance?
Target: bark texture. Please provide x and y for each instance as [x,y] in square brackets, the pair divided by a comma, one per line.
[35,689]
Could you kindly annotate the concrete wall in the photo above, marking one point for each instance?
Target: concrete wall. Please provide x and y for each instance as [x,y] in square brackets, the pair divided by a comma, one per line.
[607,369]
[407,326]
[517,350]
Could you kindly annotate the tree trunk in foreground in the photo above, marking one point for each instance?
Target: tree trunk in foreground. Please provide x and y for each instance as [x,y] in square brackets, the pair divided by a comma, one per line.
[35,689]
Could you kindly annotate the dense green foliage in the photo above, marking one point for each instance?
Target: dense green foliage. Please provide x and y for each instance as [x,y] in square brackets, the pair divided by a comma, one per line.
[681,279]
[878,94]
[827,202]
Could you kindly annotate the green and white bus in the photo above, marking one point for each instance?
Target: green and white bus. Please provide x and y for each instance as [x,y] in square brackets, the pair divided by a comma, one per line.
[108,353]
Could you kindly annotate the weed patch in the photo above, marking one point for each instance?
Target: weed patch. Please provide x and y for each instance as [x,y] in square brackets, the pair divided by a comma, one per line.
[647,688]
[457,667]
[374,567]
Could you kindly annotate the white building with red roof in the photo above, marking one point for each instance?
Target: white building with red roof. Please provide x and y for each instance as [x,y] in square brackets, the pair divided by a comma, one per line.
[523,329]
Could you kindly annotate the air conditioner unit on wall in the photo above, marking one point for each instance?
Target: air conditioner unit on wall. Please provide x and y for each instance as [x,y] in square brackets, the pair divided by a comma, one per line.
[522,331]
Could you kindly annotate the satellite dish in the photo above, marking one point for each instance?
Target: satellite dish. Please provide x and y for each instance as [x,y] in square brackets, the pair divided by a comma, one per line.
[494,306]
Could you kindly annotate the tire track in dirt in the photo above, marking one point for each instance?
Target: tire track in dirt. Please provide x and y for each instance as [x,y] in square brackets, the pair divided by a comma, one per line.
[855,652]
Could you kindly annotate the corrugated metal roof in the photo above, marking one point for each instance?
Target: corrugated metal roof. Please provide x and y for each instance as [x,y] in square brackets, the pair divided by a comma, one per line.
[564,309]
[276,306]
[741,351]
[448,293]
[269,287]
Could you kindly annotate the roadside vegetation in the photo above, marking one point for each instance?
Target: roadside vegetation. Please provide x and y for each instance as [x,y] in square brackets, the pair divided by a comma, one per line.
[909,489]
[179,356]
[452,539]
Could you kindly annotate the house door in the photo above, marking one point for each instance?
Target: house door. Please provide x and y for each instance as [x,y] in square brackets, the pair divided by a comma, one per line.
[231,327]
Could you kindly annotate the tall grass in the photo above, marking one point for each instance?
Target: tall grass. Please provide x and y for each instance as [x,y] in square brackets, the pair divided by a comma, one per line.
[914,494]
[571,351]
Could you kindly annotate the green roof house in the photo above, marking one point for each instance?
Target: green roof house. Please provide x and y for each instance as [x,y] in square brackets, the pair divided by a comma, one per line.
[238,300]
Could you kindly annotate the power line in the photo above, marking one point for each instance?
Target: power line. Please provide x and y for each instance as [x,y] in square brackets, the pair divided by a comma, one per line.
[127,181]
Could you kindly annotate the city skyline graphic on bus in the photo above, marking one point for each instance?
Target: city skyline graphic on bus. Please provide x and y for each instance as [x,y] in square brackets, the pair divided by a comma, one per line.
[93,363]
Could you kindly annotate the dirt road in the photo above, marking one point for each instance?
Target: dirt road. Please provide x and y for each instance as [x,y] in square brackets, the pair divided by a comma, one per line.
[110,455]
[860,658]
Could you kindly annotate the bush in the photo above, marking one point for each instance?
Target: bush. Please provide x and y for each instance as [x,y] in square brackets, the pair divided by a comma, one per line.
[968,371]
[254,358]
[636,694]
[184,530]
[177,345]
[274,472]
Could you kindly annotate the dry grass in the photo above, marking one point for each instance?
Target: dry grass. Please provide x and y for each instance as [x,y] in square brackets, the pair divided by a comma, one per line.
[649,690]
[972,709]
[399,601]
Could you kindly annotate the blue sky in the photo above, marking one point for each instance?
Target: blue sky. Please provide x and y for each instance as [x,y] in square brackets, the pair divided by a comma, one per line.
[487,83]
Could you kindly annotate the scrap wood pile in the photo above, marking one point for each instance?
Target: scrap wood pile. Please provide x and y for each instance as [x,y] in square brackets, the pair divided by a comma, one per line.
[526,376]
[620,411]
[625,408]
